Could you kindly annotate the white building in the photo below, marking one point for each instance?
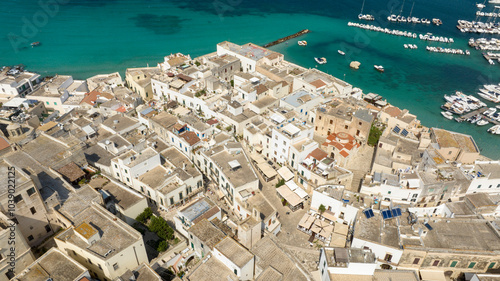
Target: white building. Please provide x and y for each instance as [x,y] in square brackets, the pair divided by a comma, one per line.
[54,265]
[54,93]
[132,164]
[236,258]
[331,197]
[92,240]
[19,84]
[351,261]
[484,176]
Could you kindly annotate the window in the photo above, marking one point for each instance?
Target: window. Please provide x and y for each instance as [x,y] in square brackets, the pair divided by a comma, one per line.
[320,117]
[31,191]
[55,103]
[90,262]
[416,260]
[346,127]
[435,263]
[171,200]
[479,186]
[180,195]
[118,175]
[98,265]
[33,210]
[47,228]
[331,121]
[202,245]
[115,266]
[471,265]
[47,103]
[18,198]
[126,171]
[236,271]
[491,265]
[30,238]
[128,179]
[453,263]
[142,188]
[490,186]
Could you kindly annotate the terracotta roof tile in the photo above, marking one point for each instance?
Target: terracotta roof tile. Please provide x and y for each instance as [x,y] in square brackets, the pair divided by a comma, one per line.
[344,153]
[318,83]
[190,137]
[318,154]
[3,143]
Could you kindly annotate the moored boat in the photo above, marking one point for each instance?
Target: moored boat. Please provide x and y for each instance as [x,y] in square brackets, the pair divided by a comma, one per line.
[302,43]
[379,68]
[340,52]
[446,114]
[35,44]
[320,60]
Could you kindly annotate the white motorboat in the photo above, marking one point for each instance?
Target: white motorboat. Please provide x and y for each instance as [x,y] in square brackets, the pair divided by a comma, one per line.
[379,68]
[340,52]
[302,43]
[446,114]
[320,60]
[482,122]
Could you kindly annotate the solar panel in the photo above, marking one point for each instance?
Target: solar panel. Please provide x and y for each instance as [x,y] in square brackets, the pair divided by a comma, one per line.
[368,213]
[387,214]
[429,227]
[404,133]
[396,130]
[384,215]
[396,212]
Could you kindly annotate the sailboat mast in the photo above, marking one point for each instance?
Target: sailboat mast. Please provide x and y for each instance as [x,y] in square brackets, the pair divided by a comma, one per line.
[402,6]
[362,7]
[412,8]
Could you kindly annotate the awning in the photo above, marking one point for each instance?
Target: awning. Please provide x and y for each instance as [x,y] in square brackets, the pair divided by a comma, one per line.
[257,158]
[301,193]
[338,240]
[292,185]
[285,173]
[341,229]
[268,171]
[329,216]
[292,198]
[277,118]
[306,221]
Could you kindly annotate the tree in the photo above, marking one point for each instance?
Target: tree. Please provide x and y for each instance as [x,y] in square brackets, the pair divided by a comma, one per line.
[163,246]
[321,209]
[145,215]
[280,183]
[232,83]
[160,226]
[374,136]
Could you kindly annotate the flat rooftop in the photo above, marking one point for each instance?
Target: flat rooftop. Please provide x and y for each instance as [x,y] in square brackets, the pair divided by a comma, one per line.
[248,50]
[20,176]
[211,270]
[239,175]
[207,232]
[114,235]
[234,251]
[196,209]
[446,138]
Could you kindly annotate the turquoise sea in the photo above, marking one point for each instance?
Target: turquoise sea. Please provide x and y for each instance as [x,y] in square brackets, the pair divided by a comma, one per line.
[87,37]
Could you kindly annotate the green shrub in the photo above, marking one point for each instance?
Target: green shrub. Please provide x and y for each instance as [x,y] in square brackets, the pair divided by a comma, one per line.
[145,215]
[160,226]
[162,246]
[374,136]
[280,183]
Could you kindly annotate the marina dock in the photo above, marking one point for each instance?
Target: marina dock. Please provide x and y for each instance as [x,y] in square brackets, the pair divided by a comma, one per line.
[473,113]
[281,40]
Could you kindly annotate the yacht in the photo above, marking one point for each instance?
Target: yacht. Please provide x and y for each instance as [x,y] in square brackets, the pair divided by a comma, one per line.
[437,22]
[340,52]
[379,68]
[302,43]
[480,6]
[320,60]
[447,114]
[482,122]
